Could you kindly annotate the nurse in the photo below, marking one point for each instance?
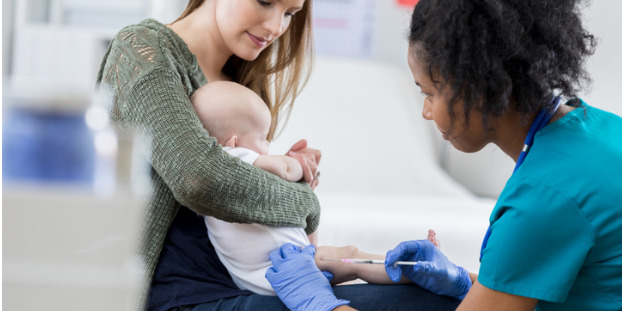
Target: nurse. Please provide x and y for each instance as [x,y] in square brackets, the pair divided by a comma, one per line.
[508,73]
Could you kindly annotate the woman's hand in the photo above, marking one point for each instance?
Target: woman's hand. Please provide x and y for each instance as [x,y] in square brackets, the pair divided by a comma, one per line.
[433,272]
[298,282]
[309,159]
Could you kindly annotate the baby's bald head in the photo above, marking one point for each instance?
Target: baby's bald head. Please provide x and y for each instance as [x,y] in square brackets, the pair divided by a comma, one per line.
[228,109]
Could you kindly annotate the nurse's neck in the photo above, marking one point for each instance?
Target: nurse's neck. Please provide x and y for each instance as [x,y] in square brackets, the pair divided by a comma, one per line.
[512,127]
[510,132]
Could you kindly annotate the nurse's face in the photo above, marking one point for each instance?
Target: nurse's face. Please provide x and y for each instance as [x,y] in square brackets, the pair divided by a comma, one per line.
[249,26]
[471,138]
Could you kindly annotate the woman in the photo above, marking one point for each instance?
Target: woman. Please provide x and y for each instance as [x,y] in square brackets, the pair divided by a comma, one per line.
[489,71]
[151,70]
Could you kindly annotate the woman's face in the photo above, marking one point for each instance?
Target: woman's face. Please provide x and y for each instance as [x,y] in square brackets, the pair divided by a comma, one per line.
[249,26]
[471,138]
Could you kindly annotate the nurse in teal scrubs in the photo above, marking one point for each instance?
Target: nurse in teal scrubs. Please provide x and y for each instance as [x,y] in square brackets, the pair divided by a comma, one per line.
[555,235]
[508,72]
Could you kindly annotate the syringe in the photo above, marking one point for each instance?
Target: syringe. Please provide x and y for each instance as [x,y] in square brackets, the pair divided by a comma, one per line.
[369,261]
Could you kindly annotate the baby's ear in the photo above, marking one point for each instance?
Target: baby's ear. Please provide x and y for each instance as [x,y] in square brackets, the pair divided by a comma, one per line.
[231,142]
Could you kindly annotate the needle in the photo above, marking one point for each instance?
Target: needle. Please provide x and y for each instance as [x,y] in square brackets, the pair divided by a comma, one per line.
[370,261]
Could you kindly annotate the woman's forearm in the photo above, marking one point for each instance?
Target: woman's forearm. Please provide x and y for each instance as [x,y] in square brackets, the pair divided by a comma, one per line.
[201,175]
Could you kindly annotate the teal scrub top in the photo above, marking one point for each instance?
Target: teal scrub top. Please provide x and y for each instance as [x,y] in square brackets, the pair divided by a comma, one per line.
[556,230]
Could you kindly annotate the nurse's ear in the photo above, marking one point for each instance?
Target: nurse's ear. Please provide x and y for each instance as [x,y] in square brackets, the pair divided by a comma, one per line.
[231,142]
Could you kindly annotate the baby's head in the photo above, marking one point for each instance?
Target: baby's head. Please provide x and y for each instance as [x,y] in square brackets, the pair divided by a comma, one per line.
[234,115]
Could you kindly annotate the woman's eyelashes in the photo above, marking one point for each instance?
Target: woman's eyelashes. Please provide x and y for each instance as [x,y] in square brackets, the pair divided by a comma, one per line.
[267,4]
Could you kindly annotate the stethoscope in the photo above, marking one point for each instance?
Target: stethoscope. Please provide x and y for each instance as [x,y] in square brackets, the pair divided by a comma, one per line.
[541,120]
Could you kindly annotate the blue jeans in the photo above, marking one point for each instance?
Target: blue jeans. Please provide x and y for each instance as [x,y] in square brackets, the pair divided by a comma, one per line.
[362,297]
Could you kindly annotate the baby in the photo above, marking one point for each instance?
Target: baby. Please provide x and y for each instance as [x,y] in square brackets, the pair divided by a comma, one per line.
[240,121]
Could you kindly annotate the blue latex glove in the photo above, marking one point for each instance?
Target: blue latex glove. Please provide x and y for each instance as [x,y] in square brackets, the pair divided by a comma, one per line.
[329,276]
[298,282]
[434,272]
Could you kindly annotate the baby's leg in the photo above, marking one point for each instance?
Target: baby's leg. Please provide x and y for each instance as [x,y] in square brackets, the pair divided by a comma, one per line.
[342,272]
[432,238]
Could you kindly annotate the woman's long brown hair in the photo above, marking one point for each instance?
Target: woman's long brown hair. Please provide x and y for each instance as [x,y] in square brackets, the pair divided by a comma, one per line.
[280,72]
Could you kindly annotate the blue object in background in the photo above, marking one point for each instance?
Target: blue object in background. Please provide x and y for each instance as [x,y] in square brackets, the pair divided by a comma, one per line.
[47,146]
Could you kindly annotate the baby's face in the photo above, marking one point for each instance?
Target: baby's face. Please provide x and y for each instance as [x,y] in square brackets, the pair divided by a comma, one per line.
[254,142]
[256,136]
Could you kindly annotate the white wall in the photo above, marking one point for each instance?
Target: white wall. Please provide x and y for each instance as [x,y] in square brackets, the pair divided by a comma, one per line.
[603,20]
[392,23]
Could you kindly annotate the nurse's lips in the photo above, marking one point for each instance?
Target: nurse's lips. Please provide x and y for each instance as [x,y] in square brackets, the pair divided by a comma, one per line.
[260,42]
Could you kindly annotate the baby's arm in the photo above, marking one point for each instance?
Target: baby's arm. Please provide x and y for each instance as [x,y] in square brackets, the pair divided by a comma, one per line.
[342,272]
[283,166]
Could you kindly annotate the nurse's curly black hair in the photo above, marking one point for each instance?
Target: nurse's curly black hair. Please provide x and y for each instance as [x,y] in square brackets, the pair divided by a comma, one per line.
[491,51]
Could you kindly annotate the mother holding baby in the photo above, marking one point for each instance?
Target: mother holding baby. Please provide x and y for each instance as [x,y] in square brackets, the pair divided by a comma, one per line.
[152,70]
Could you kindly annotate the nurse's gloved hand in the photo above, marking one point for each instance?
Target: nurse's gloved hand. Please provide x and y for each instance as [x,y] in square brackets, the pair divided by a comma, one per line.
[298,282]
[434,271]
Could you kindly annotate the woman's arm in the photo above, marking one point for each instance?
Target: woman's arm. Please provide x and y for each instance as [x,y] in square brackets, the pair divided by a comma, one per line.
[152,96]
[205,178]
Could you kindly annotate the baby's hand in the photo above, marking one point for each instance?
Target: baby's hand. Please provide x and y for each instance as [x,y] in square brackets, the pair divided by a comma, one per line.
[432,238]
[309,160]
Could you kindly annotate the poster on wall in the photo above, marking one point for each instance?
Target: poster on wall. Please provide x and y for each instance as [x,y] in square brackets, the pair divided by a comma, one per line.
[344,27]
[407,3]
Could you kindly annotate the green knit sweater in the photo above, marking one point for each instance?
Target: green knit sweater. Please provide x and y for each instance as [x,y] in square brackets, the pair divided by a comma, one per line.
[151,75]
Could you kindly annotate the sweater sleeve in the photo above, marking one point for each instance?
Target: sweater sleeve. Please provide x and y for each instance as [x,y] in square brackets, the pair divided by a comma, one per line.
[199,173]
